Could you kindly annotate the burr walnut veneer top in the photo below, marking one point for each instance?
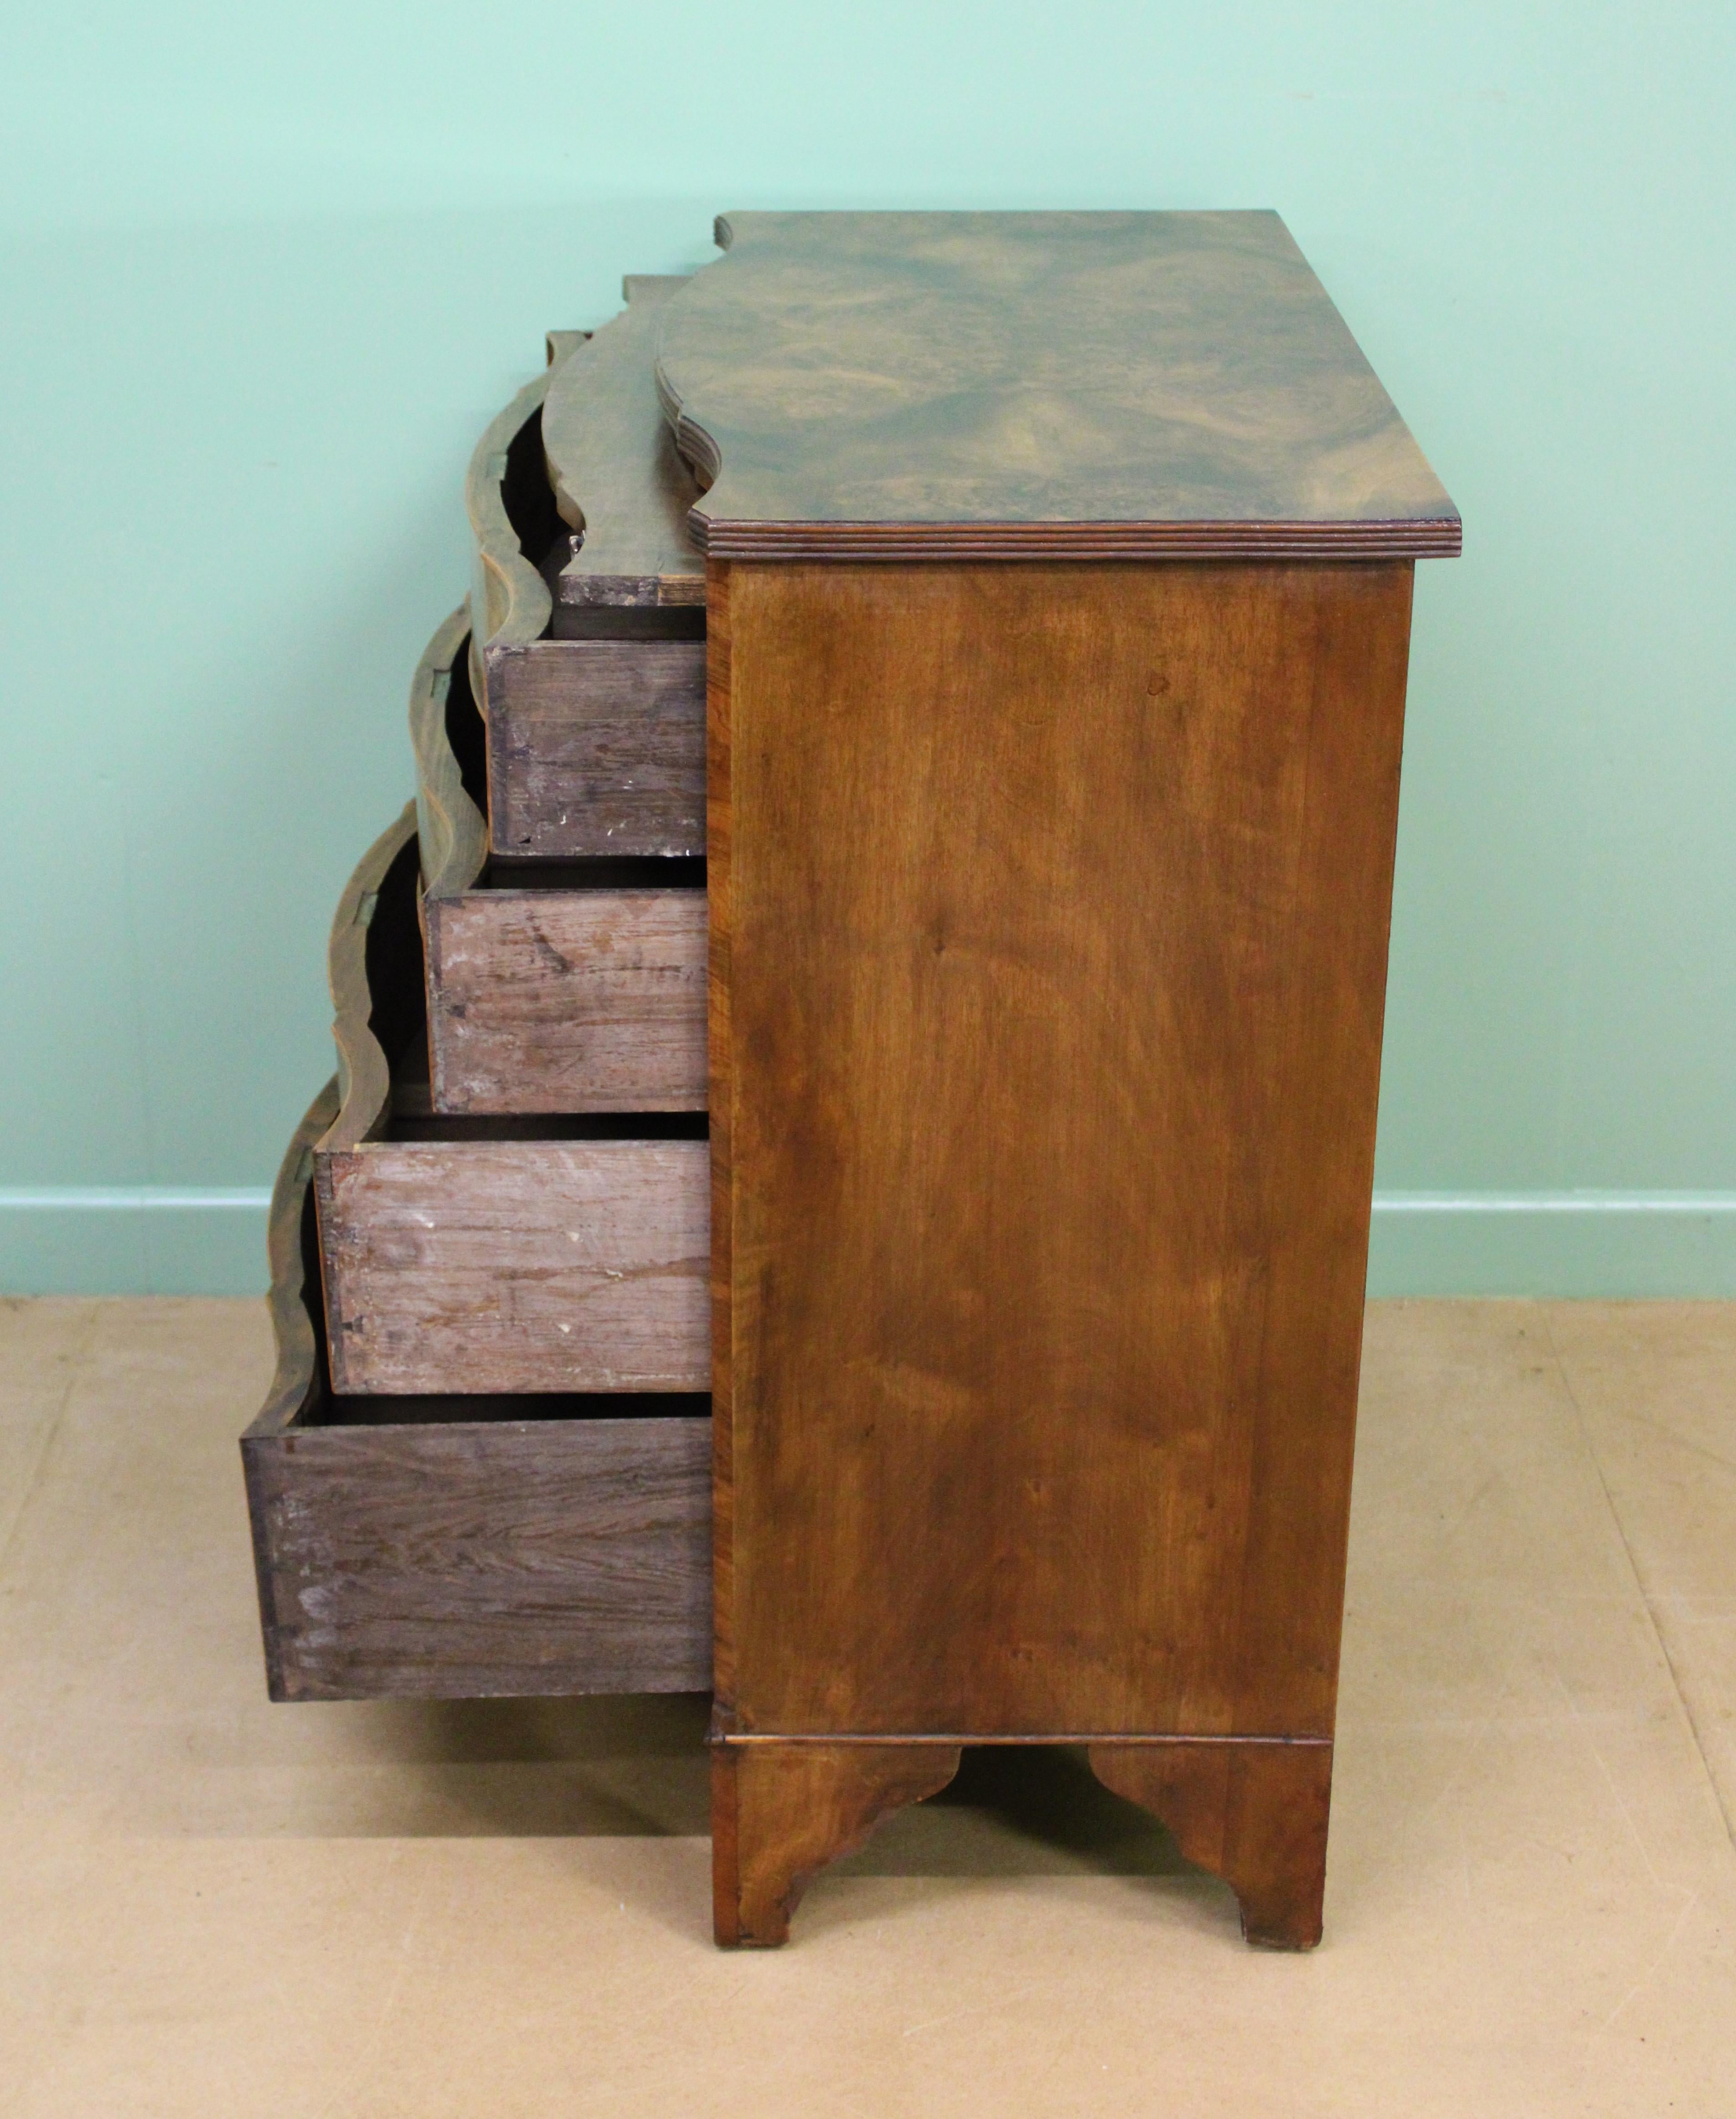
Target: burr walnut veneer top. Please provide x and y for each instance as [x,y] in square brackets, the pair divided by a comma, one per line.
[1050,385]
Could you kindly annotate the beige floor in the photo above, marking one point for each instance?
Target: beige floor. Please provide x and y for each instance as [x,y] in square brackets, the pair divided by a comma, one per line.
[209,1905]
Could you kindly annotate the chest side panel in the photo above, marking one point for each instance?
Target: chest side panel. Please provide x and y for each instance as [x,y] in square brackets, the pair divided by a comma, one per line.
[1057,910]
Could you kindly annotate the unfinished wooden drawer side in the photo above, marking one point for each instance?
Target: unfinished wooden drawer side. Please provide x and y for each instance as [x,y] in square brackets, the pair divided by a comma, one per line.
[596,748]
[605,772]
[453,1547]
[492,1253]
[563,1000]
[555,988]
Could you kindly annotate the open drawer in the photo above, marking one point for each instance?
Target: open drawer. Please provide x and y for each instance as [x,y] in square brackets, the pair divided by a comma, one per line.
[569,988]
[491,1254]
[587,660]
[457,1546]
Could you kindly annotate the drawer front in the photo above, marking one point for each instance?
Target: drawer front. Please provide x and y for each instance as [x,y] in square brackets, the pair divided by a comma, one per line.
[471,1560]
[596,748]
[516,1264]
[513,517]
[450,746]
[567,1000]
[611,461]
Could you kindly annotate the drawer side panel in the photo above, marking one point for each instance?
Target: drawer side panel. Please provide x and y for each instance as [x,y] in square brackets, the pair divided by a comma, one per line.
[503,1265]
[476,1560]
[596,747]
[555,1000]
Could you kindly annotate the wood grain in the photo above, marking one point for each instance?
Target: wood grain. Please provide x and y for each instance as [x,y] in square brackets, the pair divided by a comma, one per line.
[721,1070]
[599,778]
[516,1265]
[458,1548]
[595,739]
[1018,386]
[1254,1814]
[567,1000]
[478,1255]
[509,599]
[597,746]
[554,989]
[591,749]
[481,1559]
[1050,917]
[374,962]
[299,1380]
[780,1812]
[617,480]
[451,830]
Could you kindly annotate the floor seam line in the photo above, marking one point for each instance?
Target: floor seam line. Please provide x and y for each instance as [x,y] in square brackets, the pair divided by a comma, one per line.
[51,1427]
[1639,1580]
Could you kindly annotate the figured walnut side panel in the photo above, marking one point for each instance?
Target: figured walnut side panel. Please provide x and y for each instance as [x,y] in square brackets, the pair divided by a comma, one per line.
[567,1000]
[1033,386]
[517,1265]
[597,746]
[1055,948]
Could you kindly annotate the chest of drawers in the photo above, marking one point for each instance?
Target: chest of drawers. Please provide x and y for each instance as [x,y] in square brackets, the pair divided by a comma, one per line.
[1057,579]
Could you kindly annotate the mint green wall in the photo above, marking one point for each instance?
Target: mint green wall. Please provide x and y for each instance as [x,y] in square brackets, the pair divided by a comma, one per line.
[269,270]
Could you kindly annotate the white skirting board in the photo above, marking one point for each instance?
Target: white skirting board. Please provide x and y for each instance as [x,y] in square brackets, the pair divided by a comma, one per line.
[176,1240]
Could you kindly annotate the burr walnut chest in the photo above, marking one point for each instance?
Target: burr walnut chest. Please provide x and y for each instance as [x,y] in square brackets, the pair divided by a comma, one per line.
[927,721]
[1059,586]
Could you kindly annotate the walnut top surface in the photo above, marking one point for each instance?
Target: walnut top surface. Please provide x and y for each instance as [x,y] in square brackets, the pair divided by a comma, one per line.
[1052,385]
